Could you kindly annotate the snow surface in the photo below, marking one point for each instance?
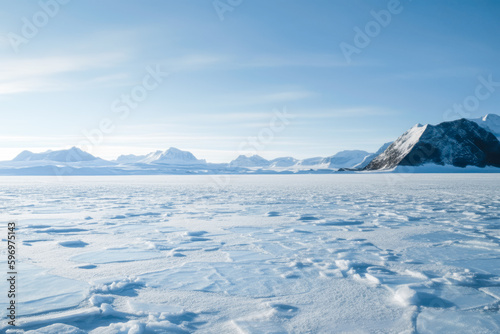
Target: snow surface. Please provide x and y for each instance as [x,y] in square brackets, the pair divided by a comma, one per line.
[458,143]
[403,145]
[251,161]
[490,122]
[73,154]
[387,253]
[369,158]
[283,162]
[172,156]
[129,158]
[345,159]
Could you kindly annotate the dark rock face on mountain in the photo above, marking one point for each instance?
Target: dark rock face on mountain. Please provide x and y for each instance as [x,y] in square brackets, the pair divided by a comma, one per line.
[372,156]
[459,143]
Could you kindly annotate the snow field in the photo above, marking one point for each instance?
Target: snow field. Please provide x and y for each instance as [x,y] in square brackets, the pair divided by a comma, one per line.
[266,254]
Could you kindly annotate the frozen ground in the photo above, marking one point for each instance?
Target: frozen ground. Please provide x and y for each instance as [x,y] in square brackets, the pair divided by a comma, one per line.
[386,253]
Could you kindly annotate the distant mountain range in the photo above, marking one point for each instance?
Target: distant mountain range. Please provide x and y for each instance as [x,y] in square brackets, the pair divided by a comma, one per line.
[454,145]
[172,156]
[339,160]
[72,155]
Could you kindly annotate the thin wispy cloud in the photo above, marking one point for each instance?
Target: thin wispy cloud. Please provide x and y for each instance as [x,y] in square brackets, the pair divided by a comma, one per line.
[295,60]
[447,72]
[343,112]
[194,62]
[250,99]
[21,75]
[229,76]
[12,68]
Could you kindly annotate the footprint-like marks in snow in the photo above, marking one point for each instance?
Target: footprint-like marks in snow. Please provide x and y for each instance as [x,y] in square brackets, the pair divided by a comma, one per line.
[308,217]
[284,310]
[195,233]
[273,214]
[61,230]
[87,266]
[341,223]
[73,244]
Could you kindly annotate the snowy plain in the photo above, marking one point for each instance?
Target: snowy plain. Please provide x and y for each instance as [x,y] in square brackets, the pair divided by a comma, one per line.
[354,253]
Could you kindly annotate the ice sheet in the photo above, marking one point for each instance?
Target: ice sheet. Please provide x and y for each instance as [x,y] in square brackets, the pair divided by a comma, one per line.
[289,253]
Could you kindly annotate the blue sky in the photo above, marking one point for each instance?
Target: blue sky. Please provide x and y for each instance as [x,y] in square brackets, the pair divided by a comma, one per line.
[232,67]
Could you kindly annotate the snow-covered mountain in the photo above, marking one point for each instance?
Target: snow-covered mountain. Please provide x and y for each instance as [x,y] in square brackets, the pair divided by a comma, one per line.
[447,145]
[252,161]
[73,154]
[339,160]
[72,161]
[172,156]
[129,158]
[345,159]
[310,162]
[490,122]
[458,143]
[372,156]
[283,162]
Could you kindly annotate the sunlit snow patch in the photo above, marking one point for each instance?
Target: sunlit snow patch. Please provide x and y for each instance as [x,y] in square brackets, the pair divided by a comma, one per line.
[42,292]
[115,256]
